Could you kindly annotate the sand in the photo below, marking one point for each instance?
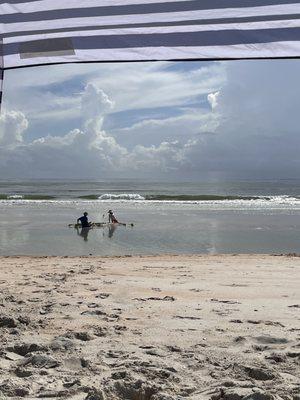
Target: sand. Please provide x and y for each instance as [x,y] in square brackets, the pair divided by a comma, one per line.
[150,328]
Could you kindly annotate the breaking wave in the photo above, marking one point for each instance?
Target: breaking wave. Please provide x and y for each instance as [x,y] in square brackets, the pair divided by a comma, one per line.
[121,196]
[15,197]
[19,197]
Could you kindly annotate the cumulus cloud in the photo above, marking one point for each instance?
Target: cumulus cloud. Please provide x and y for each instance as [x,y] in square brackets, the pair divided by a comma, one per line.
[95,103]
[13,124]
[213,99]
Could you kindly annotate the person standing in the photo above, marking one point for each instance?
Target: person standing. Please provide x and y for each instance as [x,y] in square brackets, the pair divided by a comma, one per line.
[84,221]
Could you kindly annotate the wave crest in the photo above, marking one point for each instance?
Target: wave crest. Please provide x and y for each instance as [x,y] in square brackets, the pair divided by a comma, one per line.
[121,196]
[15,197]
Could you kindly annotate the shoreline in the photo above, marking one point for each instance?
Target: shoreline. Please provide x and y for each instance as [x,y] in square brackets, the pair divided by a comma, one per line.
[161,327]
[154,256]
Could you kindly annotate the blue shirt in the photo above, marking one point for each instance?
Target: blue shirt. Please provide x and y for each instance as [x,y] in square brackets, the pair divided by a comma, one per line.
[84,222]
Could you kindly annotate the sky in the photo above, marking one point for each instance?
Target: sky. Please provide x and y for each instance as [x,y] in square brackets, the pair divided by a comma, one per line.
[159,121]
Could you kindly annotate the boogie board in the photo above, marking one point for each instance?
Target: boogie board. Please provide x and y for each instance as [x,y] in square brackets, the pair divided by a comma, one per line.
[99,225]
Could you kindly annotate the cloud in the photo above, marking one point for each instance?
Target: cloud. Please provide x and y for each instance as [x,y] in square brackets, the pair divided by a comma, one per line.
[95,103]
[152,132]
[213,99]
[12,127]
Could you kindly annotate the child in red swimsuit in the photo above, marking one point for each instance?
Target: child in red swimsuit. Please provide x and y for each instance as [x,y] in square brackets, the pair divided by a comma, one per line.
[112,218]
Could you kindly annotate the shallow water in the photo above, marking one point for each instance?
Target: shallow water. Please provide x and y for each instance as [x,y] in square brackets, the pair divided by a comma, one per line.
[41,228]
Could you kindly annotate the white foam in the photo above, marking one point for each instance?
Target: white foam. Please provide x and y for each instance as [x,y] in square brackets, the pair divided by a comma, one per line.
[121,196]
[15,197]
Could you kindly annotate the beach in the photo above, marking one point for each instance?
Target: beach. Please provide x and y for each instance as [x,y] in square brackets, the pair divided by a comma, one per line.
[150,327]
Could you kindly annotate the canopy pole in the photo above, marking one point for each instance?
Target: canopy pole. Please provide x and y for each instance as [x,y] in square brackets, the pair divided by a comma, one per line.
[1,87]
[1,72]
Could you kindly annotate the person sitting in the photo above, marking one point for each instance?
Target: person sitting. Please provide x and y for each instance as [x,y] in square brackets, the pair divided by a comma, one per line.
[112,218]
[84,221]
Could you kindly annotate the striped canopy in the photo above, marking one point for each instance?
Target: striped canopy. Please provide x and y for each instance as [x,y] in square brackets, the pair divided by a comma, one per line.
[38,32]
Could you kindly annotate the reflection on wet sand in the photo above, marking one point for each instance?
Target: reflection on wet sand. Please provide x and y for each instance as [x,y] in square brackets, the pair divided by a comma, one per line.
[83,232]
[111,230]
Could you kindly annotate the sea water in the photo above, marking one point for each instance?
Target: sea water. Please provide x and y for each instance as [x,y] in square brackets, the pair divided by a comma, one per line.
[173,217]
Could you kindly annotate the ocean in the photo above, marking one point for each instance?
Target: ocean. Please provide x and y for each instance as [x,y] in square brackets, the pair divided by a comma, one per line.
[167,217]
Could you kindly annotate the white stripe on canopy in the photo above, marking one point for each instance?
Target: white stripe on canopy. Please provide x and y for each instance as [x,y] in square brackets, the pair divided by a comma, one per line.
[38,32]
[36,6]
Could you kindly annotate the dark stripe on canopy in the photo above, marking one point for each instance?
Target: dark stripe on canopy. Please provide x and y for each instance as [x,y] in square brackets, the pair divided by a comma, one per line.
[161,24]
[206,38]
[135,9]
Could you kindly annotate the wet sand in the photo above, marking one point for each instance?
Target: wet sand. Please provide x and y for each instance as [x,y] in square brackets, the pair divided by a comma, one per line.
[150,328]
